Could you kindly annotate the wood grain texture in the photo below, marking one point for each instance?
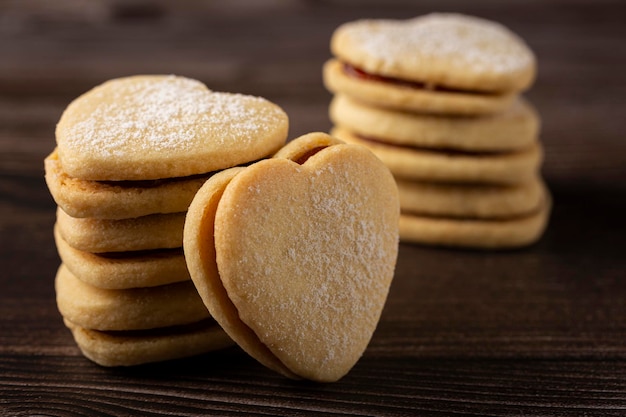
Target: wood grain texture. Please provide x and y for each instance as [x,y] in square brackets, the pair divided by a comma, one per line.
[540,331]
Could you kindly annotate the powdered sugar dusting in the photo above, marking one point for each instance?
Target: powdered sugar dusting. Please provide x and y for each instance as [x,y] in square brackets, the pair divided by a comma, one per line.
[463,40]
[331,239]
[162,113]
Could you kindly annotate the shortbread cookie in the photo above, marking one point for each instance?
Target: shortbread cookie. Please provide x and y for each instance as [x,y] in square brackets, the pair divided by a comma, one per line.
[200,248]
[515,128]
[156,231]
[128,348]
[444,57]
[118,199]
[119,270]
[479,234]
[448,166]
[470,201]
[153,127]
[295,259]
[395,95]
[131,309]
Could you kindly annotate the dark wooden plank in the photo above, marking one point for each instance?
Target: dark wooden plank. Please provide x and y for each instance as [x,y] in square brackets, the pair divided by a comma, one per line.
[228,383]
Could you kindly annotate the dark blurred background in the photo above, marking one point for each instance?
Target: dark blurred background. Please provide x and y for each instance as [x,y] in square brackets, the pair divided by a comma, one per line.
[52,51]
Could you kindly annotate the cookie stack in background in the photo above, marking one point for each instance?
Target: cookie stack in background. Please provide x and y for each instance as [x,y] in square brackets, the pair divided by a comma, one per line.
[130,156]
[438,99]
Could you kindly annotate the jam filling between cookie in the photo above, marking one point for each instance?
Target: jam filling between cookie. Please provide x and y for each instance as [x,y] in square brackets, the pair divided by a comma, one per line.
[358,73]
[445,151]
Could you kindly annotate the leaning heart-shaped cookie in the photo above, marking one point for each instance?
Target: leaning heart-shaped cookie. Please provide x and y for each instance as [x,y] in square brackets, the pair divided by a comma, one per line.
[294,255]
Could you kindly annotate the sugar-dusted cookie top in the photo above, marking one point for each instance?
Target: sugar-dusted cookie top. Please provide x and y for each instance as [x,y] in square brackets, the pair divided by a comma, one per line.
[151,127]
[447,50]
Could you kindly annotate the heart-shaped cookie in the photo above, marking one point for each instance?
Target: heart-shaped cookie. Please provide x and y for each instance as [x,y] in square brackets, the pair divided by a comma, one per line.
[439,63]
[294,255]
[152,127]
[448,50]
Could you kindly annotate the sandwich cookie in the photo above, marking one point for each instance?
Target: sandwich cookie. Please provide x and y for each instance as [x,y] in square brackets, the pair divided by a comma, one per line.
[503,233]
[437,63]
[422,164]
[294,256]
[136,347]
[513,129]
[130,309]
[155,231]
[120,270]
[471,201]
[118,199]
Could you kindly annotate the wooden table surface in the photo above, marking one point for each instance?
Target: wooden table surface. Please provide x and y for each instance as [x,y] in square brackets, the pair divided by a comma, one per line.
[539,331]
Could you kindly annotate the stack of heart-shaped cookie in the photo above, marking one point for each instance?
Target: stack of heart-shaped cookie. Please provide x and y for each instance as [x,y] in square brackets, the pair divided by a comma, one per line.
[438,99]
[131,154]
